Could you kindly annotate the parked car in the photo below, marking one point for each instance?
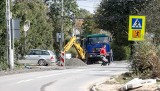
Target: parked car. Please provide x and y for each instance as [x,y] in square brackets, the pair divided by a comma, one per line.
[40,57]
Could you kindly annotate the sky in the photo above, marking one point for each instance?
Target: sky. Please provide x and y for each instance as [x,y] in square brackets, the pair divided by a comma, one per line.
[89,5]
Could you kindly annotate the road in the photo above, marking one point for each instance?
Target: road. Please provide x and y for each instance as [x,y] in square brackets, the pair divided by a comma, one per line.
[77,79]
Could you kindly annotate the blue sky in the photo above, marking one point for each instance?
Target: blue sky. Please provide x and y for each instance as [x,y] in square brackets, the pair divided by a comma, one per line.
[89,5]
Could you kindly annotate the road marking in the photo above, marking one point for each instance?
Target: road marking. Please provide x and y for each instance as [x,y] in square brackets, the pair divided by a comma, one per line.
[59,73]
[25,81]
[45,76]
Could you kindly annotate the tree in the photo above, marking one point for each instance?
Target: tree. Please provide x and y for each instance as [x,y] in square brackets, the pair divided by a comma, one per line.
[83,13]
[88,23]
[70,12]
[3,48]
[151,11]
[113,17]
[89,26]
[40,33]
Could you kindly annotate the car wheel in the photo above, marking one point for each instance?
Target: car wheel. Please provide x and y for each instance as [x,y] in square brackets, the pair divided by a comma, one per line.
[42,62]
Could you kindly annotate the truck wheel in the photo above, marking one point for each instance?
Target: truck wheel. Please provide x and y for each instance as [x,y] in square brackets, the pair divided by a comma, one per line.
[89,61]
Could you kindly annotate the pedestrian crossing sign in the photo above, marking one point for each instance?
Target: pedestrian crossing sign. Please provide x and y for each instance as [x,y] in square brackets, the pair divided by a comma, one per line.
[136,28]
[136,23]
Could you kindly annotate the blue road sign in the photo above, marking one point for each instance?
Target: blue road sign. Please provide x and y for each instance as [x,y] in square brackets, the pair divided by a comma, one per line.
[136,23]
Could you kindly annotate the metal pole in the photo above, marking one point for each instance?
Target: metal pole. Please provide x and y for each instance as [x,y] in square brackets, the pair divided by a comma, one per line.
[61,42]
[74,25]
[10,53]
[25,35]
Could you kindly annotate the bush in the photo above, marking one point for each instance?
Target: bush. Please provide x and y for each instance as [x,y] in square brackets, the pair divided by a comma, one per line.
[145,61]
[127,52]
[120,52]
[3,65]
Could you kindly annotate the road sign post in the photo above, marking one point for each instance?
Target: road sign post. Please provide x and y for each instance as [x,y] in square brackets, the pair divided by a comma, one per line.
[136,28]
[26,28]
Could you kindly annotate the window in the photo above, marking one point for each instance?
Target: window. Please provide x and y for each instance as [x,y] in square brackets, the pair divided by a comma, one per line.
[95,40]
[34,52]
[52,52]
[44,53]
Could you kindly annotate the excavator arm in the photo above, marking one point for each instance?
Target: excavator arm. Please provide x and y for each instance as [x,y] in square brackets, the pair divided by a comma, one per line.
[79,49]
[69,44]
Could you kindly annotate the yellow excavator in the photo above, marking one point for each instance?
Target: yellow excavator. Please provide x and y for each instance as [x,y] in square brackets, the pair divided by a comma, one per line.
[93,43]
[79,49]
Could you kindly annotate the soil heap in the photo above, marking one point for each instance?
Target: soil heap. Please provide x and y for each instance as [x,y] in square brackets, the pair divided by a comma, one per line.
[74,62]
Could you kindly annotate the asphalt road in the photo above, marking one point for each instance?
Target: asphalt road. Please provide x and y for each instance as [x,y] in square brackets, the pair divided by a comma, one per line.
[77,79]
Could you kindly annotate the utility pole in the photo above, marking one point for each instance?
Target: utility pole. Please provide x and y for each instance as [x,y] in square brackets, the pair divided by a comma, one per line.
[61,41]
[10,47]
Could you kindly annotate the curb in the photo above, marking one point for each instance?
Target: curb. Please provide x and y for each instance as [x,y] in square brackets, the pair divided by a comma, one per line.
[93,88]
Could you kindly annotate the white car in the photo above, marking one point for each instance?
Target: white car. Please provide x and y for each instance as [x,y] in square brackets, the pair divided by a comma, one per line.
[40,57]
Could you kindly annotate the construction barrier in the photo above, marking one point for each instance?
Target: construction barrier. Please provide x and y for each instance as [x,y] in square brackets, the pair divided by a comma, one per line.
[62,61]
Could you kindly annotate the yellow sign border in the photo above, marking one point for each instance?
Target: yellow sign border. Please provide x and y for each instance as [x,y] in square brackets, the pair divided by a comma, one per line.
[130,37]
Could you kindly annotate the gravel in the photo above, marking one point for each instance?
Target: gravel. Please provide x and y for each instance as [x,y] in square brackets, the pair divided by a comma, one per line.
[70,63]
[29,69]
[75,62]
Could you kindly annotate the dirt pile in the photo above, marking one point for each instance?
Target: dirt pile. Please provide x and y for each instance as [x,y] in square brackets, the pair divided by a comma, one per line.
[74,62]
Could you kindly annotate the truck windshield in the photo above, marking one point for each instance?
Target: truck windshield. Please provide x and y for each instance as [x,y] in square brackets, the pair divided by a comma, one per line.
[95,40]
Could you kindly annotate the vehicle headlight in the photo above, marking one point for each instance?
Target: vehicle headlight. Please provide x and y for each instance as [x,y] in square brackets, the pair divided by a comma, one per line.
[90,55]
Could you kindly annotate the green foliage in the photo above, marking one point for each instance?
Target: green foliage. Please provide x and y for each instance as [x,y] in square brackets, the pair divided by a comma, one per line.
[70,10]
[3,65]
[151,11]
[113,16]
[146,59]
[83,13]
[2,35]
[89,26]
[127,52]
[40,33]
[118,52]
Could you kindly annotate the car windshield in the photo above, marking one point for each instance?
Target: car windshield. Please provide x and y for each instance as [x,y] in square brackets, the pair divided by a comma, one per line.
[95,40]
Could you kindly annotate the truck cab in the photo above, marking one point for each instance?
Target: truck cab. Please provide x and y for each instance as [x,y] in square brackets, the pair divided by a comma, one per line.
[94,43]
